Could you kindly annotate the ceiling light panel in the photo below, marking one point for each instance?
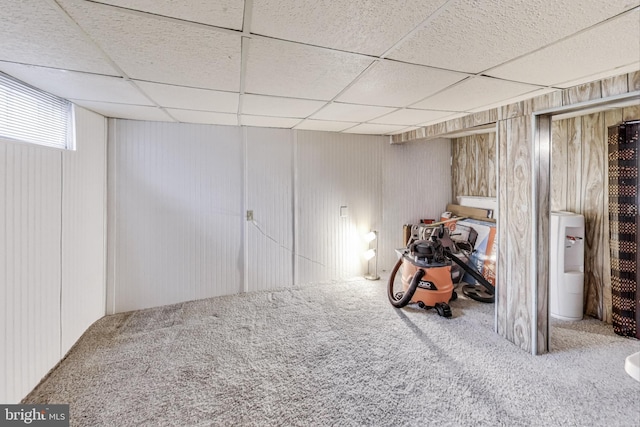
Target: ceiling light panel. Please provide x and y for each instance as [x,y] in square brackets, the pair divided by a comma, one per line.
[298,71]
[350,112]
[409,117]
[36,32]
[613,44]
[125,111]
[375,129]
[204,117]
[324,125]
[191,98]
[282,107]
[474,92]
[221,13]
[362,26]
[269,122]
[75,85]
[458,38]
[156,49]
[394,84]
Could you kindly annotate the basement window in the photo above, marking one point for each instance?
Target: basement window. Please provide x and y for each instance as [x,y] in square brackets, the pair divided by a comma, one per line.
[30,115]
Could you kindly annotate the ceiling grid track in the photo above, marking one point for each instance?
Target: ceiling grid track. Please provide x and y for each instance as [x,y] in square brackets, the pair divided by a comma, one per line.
[57,6]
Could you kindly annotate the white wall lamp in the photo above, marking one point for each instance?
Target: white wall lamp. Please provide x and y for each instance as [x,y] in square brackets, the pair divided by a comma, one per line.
[370,254]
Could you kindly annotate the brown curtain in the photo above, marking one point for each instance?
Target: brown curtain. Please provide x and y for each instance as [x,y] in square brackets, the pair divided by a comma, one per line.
[624,162]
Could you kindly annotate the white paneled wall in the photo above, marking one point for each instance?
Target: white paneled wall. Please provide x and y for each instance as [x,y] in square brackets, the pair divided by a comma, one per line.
[335,170]
[30,236]
[176,217]
[51,252]
[179,194]
[269,186]
[84,213]
[417,185]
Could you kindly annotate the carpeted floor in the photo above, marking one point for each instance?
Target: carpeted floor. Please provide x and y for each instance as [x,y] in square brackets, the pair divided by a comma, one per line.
[337,354]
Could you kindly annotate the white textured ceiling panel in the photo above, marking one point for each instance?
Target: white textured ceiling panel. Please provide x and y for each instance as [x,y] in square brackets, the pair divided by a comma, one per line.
[375,129]
[75,85]
[190,98]
[281,107]
[292,70]
[205,117]
[409,116]
[269,122]
[221,13]
[155,49]
[37,32]
[324,125]
[462,36]
[350,112]
[125,111]
[613,44]
[361,26]
[394,84]
[475,92]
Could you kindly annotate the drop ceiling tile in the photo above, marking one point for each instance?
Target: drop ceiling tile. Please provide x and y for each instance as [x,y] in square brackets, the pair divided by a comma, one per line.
[298,71]
[474,36]
[473,93]
[125,111]
[324,125]
[350,112]
[37,32]
[282,107]
[528,95]
[154,49]
[188,98]
[359,26]
[375,129]
[410,116]
[395,84]
[204,117]
[221,13]
[268,122]
[613,44]
[71,84]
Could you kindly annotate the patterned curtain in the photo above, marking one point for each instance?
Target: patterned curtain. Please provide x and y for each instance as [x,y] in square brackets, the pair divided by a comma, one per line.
[624,161]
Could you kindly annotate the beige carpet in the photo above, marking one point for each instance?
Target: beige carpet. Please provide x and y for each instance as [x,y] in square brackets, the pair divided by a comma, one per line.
[337,354]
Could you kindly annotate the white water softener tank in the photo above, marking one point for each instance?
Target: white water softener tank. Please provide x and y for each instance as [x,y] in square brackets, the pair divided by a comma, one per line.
[566,266]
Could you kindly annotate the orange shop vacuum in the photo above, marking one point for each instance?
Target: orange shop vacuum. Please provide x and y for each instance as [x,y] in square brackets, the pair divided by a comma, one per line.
[426,277]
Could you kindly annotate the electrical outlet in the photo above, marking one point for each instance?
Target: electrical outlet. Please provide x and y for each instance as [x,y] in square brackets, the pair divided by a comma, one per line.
[249,215]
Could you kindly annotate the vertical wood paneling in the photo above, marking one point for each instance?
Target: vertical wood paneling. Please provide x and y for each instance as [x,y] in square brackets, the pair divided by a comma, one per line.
[489,149]
[502,295]
[336,170]
[270,196]
[593,210]
[559,165]
[416,185]
[574,165]
[178,219]
[584,192]
[30,257]
[514,310]
[83,228]
[474,166]
[542,176]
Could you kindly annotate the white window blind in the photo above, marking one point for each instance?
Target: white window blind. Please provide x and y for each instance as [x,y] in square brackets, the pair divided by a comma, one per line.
[31,115]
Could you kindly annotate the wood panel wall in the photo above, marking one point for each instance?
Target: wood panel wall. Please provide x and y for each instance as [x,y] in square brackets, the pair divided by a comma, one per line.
[579,184]
[520,310]
[473,166]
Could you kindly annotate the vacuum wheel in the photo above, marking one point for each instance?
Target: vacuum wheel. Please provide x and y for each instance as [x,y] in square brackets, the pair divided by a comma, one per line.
[478,293]
[454,296]
[443,309]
